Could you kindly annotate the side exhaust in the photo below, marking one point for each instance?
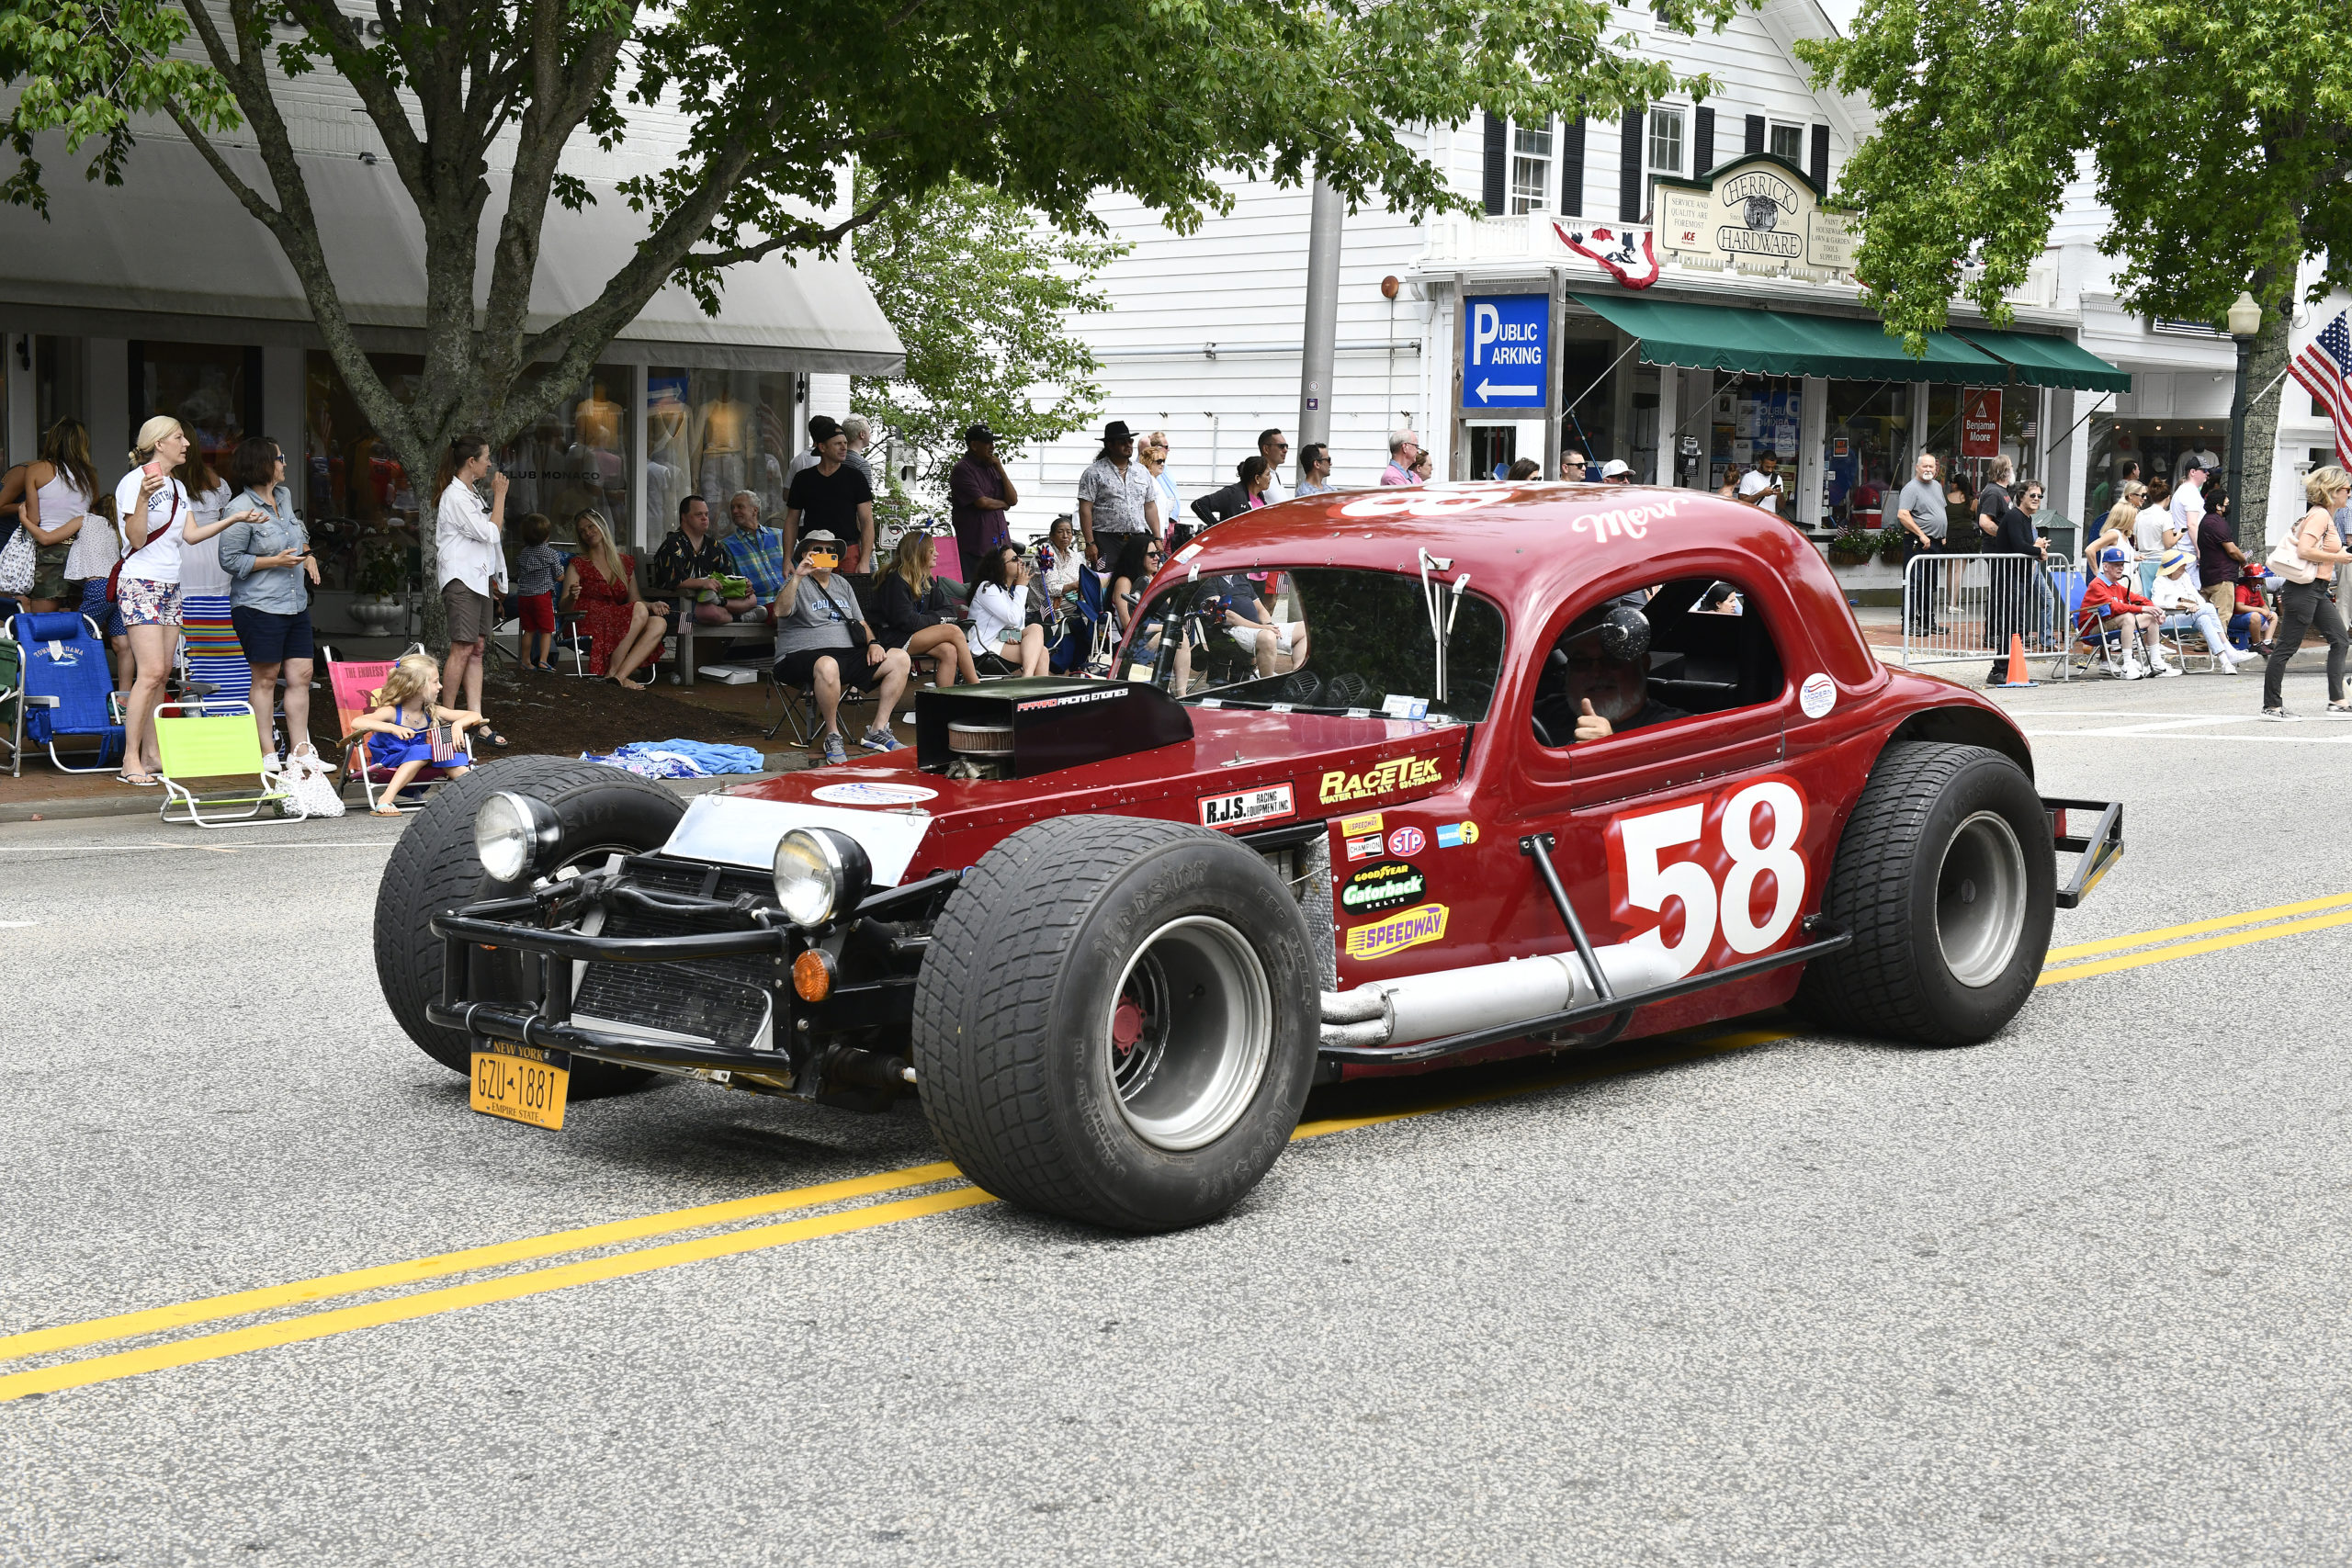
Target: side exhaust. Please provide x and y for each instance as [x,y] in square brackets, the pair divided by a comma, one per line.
[1486,995]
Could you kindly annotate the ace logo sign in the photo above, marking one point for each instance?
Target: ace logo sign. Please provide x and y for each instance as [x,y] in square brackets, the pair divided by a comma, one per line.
[1265,805]
[1727,872]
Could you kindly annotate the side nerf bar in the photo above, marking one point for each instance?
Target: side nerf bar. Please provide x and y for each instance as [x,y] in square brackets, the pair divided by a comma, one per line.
[2099,849]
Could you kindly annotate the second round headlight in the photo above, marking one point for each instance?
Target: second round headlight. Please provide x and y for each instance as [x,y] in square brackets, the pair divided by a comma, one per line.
[820,875]
[515,835]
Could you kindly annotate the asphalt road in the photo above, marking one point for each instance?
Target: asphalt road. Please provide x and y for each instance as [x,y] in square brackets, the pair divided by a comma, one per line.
[2073,1296]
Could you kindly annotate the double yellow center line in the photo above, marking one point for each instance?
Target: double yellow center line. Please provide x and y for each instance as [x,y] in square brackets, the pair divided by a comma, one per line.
[730,1236]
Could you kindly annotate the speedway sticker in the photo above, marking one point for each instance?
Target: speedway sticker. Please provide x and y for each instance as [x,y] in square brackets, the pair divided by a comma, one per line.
[1453,835]
[873,794]
[1383,887]
[1401,772]
[1409,929]
[1263,804]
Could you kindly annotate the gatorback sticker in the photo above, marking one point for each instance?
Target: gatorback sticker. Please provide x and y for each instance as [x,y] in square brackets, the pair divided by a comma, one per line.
[1383,887]
[1411,928]
[1382,778]
[1268,804]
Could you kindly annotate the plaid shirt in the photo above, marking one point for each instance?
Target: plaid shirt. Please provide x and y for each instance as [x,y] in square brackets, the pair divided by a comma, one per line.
[759,554]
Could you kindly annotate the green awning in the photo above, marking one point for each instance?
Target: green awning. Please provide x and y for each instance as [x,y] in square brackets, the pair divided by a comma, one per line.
[2043,361]
[1776,343]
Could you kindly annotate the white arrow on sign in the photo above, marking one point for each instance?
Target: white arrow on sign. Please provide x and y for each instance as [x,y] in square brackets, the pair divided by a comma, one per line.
[1488,391]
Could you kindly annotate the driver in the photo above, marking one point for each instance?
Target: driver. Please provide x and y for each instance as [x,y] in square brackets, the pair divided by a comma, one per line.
[1608,673]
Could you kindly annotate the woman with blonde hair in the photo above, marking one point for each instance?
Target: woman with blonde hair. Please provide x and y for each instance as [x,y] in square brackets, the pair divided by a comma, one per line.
[158,520]
[59,488]
[910,610]
[2318,550]
[623,631]
[2117,528]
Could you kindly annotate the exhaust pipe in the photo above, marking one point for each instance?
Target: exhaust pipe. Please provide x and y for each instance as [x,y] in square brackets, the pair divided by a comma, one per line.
[1484,996]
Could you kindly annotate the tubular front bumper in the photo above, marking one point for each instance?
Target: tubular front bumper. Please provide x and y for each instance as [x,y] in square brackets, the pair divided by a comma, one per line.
[2099,849]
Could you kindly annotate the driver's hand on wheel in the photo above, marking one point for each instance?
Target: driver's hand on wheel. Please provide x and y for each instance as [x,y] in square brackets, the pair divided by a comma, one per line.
[1590,726]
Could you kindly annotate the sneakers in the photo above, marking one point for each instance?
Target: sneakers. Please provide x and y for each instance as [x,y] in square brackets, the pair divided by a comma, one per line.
[271,763]
[2280,713]
[2132,670]
[2162,670]
[877,739]
[835,752]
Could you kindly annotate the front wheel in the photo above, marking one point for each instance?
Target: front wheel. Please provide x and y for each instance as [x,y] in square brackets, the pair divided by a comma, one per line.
[1116,1021]
[1946,876]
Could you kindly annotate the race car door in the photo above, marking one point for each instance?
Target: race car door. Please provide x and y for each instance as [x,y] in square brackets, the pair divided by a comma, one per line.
[1672,834]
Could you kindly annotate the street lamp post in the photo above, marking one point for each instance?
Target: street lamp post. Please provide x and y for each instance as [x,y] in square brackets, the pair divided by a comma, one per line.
[2245,320]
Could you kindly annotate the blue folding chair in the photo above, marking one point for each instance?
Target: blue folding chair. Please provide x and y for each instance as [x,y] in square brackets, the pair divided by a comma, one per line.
[65,687]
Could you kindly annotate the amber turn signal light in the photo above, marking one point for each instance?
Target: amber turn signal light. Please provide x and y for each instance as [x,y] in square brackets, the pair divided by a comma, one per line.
[812,976]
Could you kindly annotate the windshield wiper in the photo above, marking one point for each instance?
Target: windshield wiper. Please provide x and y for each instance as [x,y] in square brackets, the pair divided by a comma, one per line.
[1441,611]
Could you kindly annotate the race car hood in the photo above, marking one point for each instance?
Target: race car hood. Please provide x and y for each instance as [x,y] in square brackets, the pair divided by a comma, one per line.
[1241,771]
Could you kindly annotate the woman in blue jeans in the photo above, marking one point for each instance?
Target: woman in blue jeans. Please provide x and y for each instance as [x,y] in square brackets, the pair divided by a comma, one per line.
[2303,605]
[271,573]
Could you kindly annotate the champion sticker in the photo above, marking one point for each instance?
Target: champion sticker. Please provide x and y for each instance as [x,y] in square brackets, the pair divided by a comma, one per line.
[873,793]
[1408,928]
[1247,805]
[1453,835]
[1383,887]
[1818,695]
[1406,841]
[1366,848]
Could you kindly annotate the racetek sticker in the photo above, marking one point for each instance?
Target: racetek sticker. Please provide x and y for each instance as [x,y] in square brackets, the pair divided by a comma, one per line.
[1264,804]
[1398,932]
[1406,841]
[1382,886]
[1386,778]
[1453,835]
[1366,848]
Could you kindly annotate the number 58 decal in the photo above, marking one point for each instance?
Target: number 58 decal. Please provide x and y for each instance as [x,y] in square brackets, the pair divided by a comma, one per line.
[1717,862]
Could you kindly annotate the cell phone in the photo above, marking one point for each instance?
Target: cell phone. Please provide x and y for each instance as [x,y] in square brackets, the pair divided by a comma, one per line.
[823,562]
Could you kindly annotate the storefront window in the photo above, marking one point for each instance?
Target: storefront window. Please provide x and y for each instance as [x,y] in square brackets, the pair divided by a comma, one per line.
[2160,447]
[1866,449]
[1588,372]
[1753,414]
[213,389]
[357,498]
[577,456]
[712,433]
[57,383]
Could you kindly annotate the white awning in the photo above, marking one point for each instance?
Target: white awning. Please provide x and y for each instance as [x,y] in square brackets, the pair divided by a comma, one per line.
[169,253]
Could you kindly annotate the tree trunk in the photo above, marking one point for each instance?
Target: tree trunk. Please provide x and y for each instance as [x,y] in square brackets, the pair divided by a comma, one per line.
[2266,367]
[423,461]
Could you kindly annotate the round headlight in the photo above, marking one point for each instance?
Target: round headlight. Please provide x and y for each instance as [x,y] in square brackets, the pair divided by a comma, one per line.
[514,836]
[819,874]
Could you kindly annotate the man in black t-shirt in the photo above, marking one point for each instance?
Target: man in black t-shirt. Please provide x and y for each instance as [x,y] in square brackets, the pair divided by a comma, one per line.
[834,496]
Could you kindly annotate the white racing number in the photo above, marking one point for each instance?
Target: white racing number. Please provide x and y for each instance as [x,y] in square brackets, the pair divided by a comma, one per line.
[1716,880]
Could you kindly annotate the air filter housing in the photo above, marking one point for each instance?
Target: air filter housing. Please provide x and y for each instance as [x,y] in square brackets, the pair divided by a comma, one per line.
[1015,729]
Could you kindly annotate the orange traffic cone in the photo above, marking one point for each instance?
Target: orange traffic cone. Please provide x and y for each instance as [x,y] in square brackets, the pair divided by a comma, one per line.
[2018,676]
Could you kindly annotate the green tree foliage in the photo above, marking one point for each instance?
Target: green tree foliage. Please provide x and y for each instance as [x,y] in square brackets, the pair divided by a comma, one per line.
[981,295]
[2218,131]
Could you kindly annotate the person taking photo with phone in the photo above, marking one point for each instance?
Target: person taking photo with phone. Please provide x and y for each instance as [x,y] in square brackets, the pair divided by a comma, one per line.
[824,647]
[467,536]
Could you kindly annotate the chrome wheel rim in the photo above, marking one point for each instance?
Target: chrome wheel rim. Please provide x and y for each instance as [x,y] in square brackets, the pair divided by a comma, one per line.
[1980,899]
[1190,1032]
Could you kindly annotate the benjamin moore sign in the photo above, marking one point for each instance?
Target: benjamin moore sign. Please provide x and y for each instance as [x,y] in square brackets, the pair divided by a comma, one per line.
[1756,208]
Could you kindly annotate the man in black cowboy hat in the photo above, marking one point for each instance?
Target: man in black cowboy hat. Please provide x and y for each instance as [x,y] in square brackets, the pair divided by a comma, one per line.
[980,495]
[1117,513]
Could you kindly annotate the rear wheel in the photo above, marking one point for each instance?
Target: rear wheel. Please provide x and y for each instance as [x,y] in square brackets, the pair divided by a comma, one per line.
[1946,877]
[1116,1023]
[434,869]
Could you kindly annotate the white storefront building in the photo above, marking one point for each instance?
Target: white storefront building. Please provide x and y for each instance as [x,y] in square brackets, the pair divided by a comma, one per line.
[1750,333]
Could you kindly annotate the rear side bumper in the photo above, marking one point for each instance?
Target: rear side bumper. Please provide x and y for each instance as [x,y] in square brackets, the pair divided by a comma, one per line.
[2098,850]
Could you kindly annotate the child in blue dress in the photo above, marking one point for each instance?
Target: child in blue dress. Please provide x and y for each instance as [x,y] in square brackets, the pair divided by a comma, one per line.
[399,729]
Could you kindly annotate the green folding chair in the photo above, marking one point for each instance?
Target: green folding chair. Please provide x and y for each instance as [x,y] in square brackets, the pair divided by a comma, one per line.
[208,742]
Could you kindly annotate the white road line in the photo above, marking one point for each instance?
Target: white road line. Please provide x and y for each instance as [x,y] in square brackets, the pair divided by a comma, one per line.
[2265,738]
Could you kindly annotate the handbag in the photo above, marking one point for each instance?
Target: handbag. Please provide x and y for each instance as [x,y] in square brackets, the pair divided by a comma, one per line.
[309,786]
[16,562]
[2289,563]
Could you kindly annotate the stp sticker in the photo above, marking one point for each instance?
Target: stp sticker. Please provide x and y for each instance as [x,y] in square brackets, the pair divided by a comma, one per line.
[1818,695]
[1246,806]
[1406,841]
[1410,928]
[1383,887]
[1366,848]
[1453,835]
[873,793]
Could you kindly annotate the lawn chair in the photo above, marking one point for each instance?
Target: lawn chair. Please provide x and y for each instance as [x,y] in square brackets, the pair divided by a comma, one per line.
[356,684]
[213,741]
[66,687]
[800,709]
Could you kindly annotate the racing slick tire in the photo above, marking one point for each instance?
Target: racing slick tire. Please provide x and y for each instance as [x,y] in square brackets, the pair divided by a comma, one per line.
[434,869]
[1946,876]
[1116,1021]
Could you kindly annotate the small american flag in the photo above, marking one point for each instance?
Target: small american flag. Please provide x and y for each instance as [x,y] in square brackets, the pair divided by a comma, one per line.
[2324,368]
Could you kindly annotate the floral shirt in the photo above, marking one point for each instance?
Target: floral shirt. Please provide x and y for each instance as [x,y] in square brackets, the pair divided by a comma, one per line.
[678,560]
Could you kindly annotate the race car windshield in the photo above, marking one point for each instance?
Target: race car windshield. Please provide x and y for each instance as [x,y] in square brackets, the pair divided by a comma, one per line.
[1319,639]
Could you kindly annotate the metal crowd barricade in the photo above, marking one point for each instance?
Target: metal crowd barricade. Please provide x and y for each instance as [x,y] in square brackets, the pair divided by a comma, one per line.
[1961,609]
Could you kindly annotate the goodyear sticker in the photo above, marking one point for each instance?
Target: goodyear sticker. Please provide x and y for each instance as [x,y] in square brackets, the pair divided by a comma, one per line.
[1387,778]
[1365,847]
[1410,928]
[1262,805]
[1453,835]
[1383,887]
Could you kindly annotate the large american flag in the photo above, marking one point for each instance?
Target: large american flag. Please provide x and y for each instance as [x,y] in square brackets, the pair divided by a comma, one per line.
[2325,367]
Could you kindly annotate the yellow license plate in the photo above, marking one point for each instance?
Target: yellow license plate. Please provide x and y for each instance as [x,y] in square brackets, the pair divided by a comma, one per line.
[521,1083]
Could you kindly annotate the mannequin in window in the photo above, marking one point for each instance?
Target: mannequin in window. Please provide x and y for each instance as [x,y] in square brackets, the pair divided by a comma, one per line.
[598,423]
[720,426]
[668,436]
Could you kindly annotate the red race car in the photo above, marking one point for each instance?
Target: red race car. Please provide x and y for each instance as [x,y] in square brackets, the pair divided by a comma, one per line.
[1385,781]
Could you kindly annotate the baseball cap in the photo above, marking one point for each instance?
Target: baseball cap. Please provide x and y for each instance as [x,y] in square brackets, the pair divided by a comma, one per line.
[2111,556]
[1615,466]
[979,434]
[823,428]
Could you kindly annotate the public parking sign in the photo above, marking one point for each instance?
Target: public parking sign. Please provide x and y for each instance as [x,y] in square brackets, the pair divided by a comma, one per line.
[1506,351]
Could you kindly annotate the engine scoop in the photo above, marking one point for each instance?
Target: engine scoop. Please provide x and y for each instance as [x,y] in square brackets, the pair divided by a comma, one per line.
[1016,729]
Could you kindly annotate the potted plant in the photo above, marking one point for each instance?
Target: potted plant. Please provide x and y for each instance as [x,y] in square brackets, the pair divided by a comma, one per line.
[1852,547]
[377,583]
